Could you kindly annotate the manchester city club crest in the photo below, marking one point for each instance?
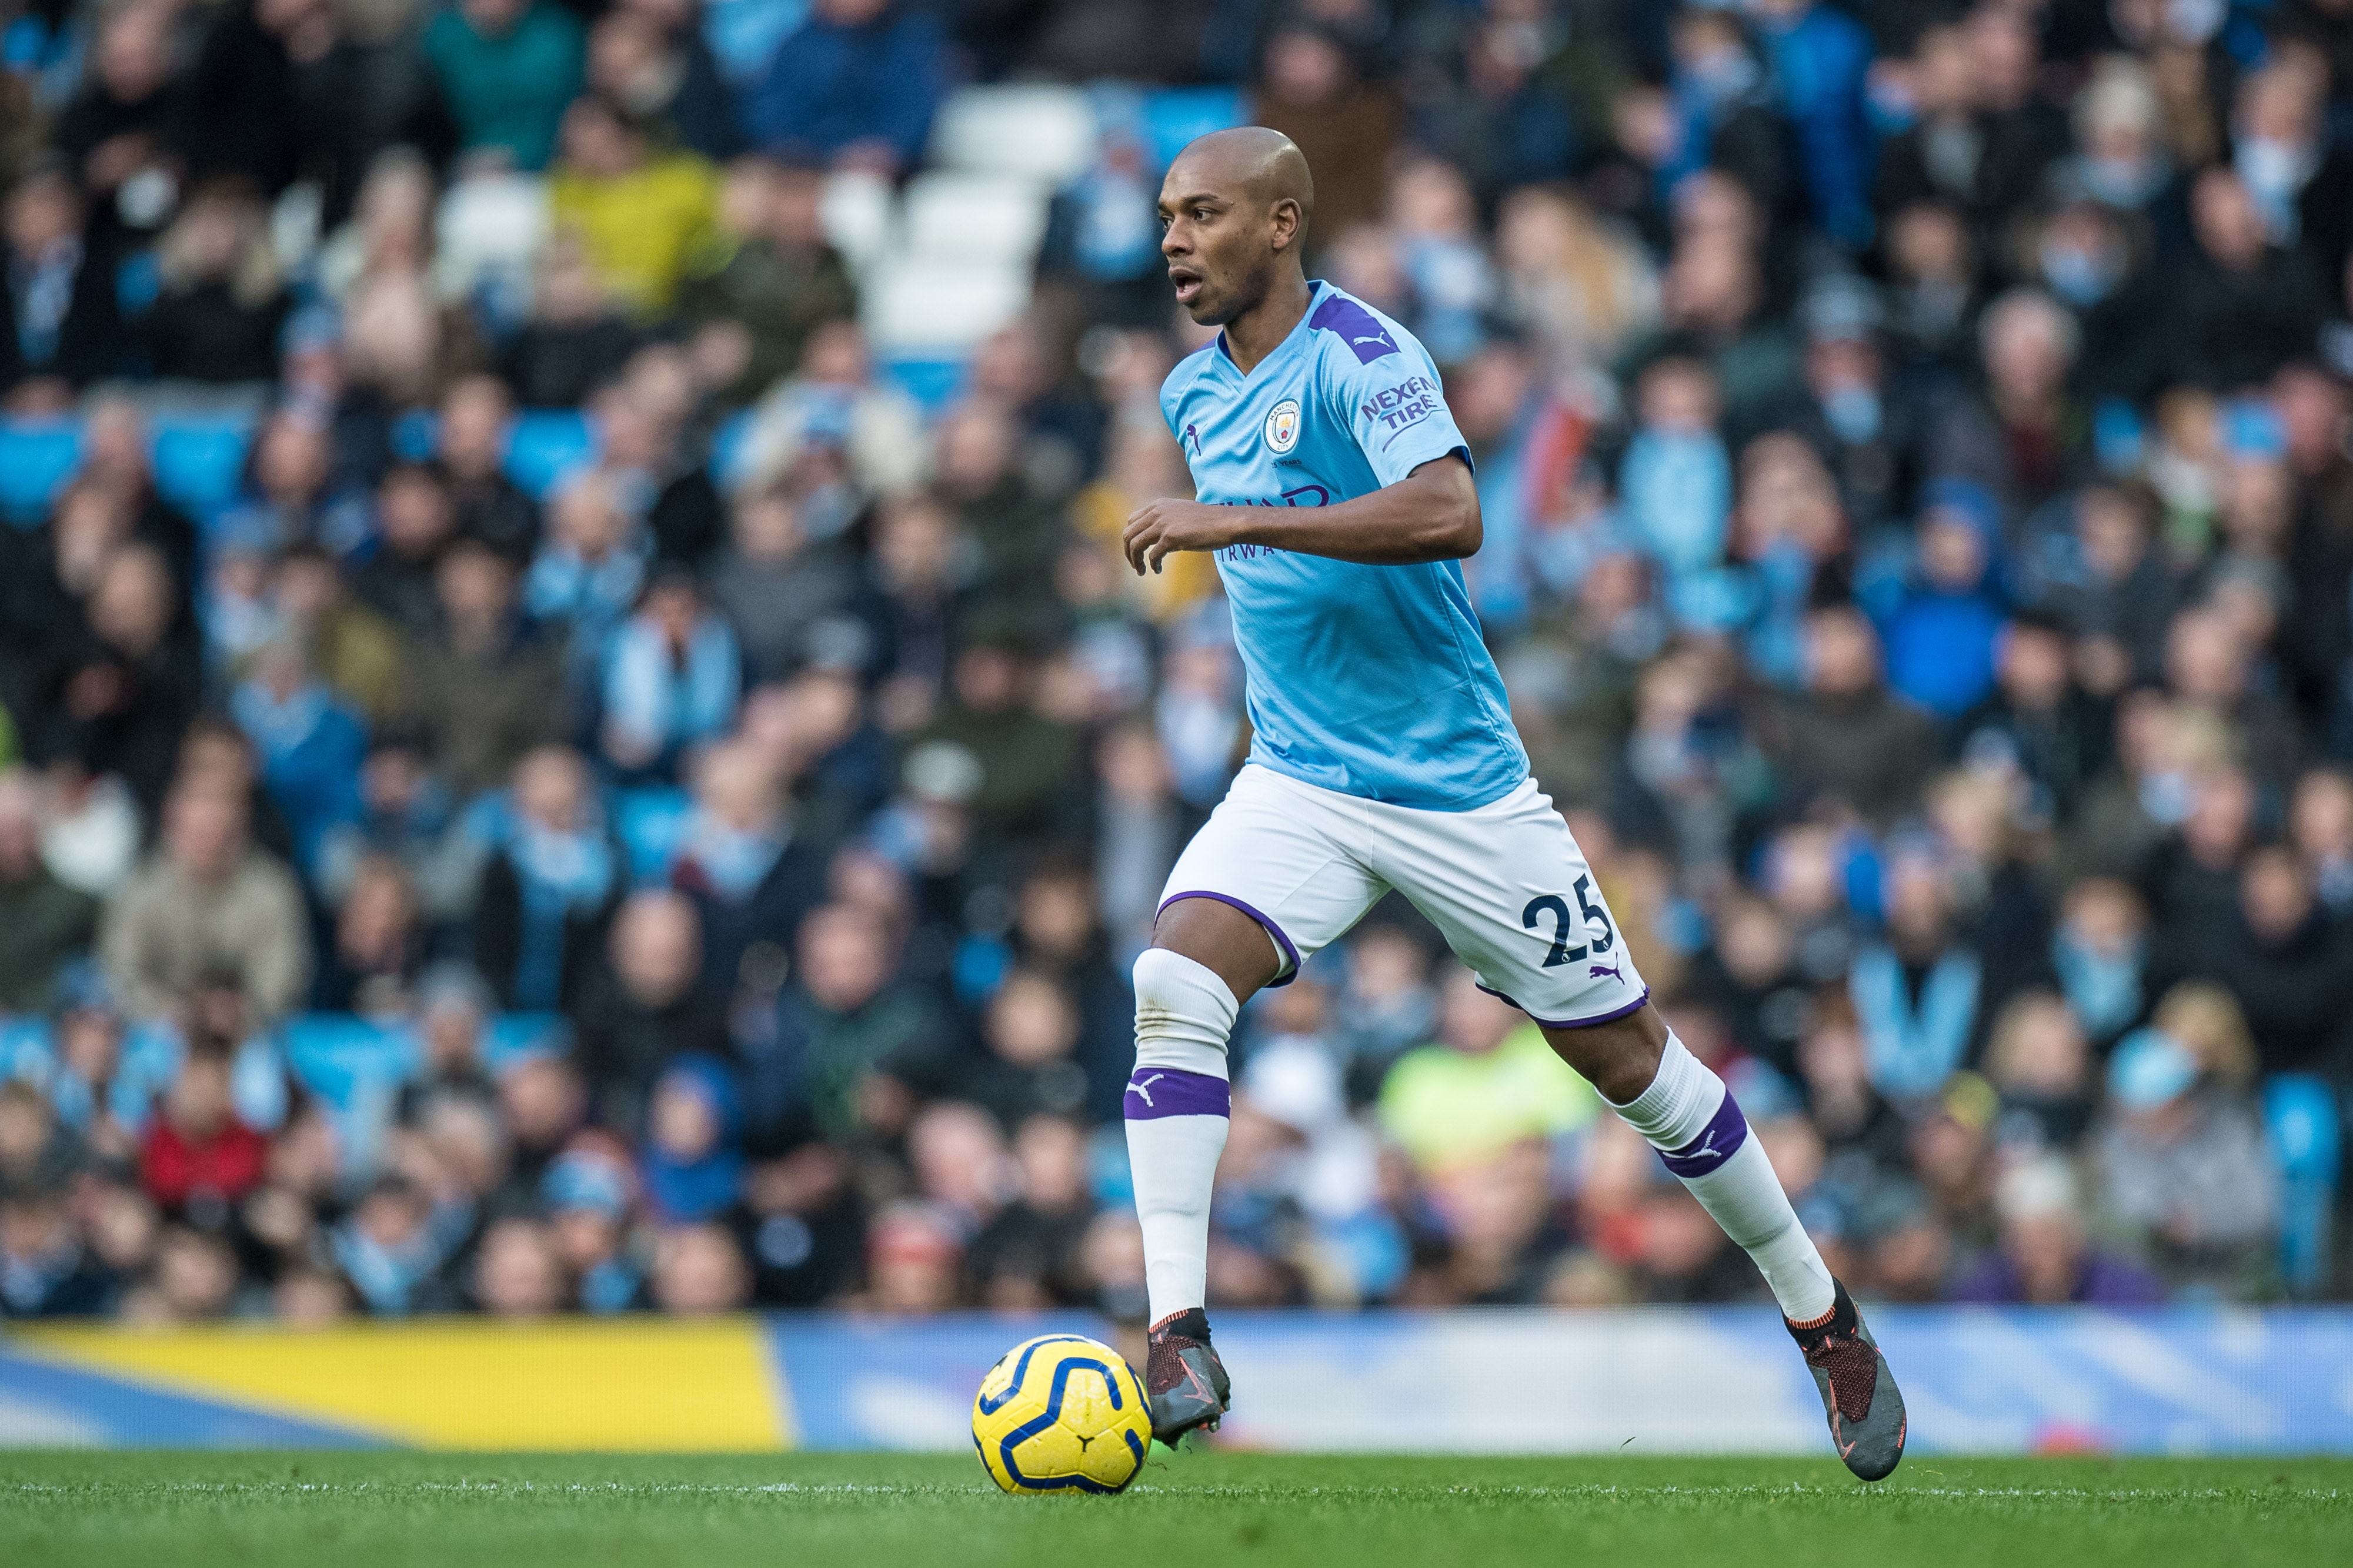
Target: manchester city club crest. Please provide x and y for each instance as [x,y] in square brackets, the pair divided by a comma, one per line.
[1282,425]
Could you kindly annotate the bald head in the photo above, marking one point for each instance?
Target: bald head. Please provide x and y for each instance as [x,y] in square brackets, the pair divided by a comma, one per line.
[1236,205]
[1258,166]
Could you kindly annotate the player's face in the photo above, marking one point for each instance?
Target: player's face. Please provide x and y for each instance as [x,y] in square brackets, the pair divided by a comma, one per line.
[1219,245]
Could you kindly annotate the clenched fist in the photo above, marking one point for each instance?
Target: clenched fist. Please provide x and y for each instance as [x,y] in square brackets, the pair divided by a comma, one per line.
[1160,528]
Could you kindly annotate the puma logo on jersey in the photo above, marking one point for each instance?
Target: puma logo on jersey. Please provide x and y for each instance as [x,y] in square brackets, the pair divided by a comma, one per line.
[1595,971]
[1144,1087]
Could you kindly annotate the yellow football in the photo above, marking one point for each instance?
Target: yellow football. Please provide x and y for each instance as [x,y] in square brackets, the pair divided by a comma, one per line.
[1062,1413]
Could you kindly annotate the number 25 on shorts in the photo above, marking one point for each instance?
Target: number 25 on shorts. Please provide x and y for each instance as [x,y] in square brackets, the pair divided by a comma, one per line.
[1592,915]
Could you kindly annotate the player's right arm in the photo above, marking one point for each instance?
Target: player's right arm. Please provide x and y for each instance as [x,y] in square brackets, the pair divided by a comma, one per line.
[1383,387]
[1429,514]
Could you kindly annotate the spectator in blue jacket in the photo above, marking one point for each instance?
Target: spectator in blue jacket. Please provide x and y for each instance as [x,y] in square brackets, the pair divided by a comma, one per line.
[857,83]
[1819,58]
[1940,636]
[311,745]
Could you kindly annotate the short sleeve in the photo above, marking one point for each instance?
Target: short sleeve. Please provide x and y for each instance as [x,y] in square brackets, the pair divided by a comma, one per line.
[1169,401]
[1397,408]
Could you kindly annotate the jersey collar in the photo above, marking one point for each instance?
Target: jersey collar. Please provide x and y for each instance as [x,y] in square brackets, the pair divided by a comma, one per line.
[1316,290]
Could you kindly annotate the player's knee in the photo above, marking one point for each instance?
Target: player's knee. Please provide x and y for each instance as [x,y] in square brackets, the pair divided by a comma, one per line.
[1619,1057]
[1183,1013]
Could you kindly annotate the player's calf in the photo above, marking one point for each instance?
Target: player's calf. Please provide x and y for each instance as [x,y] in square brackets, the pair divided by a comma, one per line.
[1679,1104]
[1684,1110]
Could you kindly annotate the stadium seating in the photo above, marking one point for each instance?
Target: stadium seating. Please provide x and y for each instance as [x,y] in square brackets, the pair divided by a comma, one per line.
[2300,1113]
[743,34]
[335,1055]
[919,309]
[1174,116]
[1039,131]
[24,1049]
[934,382]
[512,1036]
[651,821]
[36,457]
[974,219]
[728,449]
[200,460]
[547,447]
[857,210]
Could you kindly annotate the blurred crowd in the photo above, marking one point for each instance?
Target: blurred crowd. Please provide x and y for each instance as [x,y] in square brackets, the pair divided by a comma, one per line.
[1913,439]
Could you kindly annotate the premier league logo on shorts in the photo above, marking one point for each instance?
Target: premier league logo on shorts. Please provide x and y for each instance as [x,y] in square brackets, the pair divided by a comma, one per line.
[1282,425]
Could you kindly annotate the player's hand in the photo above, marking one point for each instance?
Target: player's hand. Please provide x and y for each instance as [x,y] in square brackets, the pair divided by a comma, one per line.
[1158,528]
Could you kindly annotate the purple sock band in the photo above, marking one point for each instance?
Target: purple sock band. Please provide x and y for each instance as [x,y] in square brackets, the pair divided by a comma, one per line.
[1726,1131]
[1155,1092]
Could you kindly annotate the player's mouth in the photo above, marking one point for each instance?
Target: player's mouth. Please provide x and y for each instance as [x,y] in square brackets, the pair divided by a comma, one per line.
[1188,282]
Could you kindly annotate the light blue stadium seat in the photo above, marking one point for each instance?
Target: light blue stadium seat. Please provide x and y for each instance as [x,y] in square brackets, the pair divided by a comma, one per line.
[513,1036]
[26,1049]
[1175,115]
[934,382]
[2300,1116]
[36,456]
[727,449]
[200,460]
[339,1056]
[651,821]
[743,34]
[547,447]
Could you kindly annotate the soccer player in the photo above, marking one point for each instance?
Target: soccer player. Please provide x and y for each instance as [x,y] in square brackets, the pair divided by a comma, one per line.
[1337,495]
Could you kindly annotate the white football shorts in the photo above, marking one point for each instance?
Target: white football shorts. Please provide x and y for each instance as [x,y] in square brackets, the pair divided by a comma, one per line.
[1505,884]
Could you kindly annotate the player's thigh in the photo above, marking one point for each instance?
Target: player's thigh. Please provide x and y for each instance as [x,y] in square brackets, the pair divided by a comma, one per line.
[1280,853]
[1512,893]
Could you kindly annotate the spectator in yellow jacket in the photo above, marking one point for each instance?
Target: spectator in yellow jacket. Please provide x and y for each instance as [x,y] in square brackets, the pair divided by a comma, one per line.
[643,213]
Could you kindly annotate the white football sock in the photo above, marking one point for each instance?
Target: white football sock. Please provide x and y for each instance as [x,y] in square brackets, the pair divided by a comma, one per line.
[1178,1108]
[1695,1124]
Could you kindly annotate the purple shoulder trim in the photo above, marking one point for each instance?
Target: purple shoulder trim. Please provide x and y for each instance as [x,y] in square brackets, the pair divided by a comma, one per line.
[1366,337]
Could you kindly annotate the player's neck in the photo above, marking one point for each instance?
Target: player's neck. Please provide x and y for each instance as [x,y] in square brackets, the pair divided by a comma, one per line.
[1259,331]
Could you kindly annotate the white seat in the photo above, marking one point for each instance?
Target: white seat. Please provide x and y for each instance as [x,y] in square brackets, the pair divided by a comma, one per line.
[857,210]
[1037,130]
[488,224]
[950,217]
[915,307]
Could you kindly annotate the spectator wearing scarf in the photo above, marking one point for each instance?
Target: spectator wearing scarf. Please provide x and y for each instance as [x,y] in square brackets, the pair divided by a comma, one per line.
[1917,993]
[550,885]
[749,880]
[673,676]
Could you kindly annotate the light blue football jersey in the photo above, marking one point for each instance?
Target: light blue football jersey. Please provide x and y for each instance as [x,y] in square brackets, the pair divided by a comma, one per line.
[1370,680]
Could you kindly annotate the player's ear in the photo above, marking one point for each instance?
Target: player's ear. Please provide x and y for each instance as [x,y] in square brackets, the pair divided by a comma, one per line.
[1287,220]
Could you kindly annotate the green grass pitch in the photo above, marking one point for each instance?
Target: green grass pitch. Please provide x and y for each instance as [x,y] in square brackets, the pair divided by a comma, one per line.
[453,1511]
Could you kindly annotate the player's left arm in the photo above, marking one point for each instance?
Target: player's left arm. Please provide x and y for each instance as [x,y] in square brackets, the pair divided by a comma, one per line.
[1431,514]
